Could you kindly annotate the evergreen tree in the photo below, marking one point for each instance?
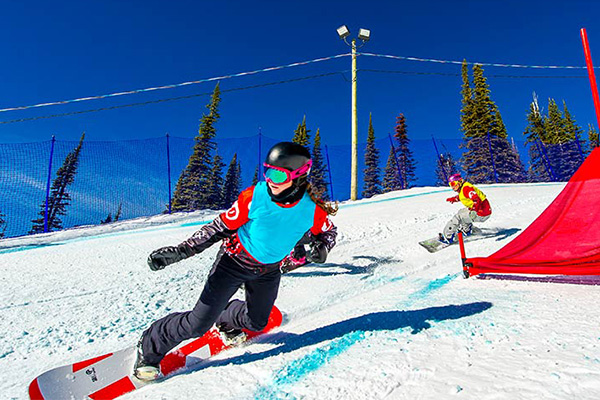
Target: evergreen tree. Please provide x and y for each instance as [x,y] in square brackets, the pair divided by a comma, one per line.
[233,182]
[476,160]
[119,210]
[445,167]
[489,156]
[301,134]
[593,137]
[191,190]
[404,154]
[466,113]
[372,182]
[534,135]
[318,173]
[573,145]
[391,178]
[255,177]
[59,198]
[109,217]
[214,198]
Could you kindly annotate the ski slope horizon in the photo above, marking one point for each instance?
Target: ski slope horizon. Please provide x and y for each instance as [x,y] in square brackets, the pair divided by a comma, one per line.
[383,318]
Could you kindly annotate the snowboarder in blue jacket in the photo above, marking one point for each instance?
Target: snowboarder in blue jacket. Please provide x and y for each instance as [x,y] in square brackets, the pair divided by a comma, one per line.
[266,225]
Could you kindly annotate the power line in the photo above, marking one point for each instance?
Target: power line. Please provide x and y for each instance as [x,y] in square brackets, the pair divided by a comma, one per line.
[171,98]
[433,60]
[487,76]
[217,78]
[295,64]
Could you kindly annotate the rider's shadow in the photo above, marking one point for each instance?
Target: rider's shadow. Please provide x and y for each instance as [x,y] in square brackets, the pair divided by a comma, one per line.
[502,234]
[331,269]
[416,320]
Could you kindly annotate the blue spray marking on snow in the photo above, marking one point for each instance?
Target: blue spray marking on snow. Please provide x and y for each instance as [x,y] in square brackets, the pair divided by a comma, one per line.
[431,286]
[311,362]
[300,368]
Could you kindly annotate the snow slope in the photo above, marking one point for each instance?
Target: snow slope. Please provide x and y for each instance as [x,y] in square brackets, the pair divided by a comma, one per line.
[382,319]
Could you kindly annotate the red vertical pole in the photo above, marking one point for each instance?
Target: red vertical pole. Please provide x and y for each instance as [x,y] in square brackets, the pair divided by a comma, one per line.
[590,68]
[463,255]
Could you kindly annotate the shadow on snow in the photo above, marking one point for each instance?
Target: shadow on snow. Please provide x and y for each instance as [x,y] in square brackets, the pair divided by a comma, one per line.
[348,269]
[417,320]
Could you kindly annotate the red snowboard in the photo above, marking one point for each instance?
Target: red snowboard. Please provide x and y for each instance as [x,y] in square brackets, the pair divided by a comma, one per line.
[110,375]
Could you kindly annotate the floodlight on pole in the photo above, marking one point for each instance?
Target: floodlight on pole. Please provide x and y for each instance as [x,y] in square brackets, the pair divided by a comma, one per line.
[364,35]
[343,31]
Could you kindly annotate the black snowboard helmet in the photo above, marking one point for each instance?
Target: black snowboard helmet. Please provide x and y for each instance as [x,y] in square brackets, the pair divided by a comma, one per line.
[289,156]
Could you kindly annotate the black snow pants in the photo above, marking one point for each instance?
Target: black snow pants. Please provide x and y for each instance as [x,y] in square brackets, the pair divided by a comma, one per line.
[225,278]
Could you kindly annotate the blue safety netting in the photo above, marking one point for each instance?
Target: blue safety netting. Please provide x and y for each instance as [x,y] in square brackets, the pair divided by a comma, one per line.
[136,175]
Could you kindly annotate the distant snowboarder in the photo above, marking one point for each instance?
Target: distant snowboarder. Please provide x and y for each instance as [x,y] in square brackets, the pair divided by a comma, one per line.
[260,230]
[477,209]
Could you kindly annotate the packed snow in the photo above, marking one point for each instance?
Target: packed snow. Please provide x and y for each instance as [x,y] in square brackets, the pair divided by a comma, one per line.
[382,319]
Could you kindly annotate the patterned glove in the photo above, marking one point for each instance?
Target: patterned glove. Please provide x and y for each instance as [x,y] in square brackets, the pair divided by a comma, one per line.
[317,252]
[164,256]
[297,258]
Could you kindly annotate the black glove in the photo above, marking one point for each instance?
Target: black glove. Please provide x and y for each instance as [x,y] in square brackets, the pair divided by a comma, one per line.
[317,252]
[298,252]
[164,256]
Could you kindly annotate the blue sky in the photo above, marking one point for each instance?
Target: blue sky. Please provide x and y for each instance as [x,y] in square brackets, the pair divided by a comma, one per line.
[62,50]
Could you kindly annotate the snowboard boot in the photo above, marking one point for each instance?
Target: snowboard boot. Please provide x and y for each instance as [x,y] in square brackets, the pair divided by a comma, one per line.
[142,369]
[467,230]
[232,336]
[445,240]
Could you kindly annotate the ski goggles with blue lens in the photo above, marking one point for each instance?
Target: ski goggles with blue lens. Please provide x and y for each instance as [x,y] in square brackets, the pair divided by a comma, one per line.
[279,176]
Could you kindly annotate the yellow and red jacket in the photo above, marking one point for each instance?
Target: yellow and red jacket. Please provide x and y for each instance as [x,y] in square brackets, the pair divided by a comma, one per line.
[474,199]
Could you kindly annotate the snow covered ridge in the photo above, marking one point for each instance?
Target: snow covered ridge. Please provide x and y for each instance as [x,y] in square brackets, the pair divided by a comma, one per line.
[171,221]
[383,318]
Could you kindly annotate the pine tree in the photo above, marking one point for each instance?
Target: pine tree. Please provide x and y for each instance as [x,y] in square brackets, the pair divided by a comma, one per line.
[233,183]
[593,137]
[191,190]
[372,182]
[255,177]
[318,173]
[214,198]
[534,135]
[301,134]
[404,154]
[109,217]
[391,178]
[489,156]
[59,198]
[445,167]
[477,160]
[119,210]
[466,113]
[573,145]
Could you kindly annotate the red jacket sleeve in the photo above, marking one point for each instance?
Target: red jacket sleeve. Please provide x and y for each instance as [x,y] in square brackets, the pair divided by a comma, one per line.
[323,229]
[321,222]
[237,215]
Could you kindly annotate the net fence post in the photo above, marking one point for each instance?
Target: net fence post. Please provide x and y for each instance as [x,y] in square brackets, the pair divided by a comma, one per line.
[48,183]
[440,159]
[169,171]
[329,172]
[260,166]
